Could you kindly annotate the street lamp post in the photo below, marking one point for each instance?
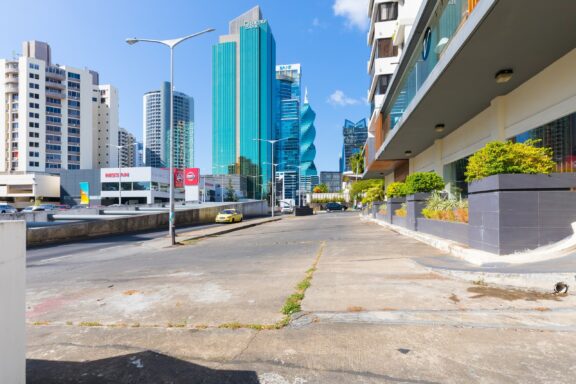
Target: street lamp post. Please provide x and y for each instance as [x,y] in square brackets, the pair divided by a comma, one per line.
[254,189]
[272,142]
[171,43]
[273,202]
[222,183]
[119,147]
[299,180]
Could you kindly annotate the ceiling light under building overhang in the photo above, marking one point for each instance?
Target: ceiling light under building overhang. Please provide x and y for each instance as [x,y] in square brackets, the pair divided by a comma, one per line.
[504,76]
[439,128]
[408,153]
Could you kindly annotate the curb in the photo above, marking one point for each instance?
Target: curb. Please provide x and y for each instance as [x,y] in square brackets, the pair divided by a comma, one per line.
[229,230]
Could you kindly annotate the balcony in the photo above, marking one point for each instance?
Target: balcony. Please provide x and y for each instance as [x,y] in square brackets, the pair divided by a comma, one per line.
[55,73]
[453,85]
[11,69]
[55,93]
[55,84]
[11,88]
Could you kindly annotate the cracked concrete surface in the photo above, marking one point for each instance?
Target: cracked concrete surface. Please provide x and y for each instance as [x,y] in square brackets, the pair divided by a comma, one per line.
[371,315]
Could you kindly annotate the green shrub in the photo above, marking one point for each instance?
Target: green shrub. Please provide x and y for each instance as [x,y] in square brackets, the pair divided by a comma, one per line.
[507,157]
[424,182]
[396,189]
[359,187]
[373,194]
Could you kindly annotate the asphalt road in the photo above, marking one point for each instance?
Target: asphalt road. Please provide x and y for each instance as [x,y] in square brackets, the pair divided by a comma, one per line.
[137,313]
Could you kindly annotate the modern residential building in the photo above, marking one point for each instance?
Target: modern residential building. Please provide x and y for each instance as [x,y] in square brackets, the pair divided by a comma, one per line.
[390,25]
[128,151]
[47,114]
[354,139]
[157,128]
[470,74]
[243,70]
[105,125]
[287,128]
[332,179]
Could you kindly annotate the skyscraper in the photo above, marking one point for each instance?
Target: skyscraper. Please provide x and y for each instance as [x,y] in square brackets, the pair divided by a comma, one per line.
[54,117]
[157,128]
[355,135]
[128,151]
[243,65]
[307,147]
[287,127]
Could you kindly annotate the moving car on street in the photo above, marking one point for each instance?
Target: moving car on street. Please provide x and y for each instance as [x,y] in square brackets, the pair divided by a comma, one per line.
[34,208]
[7,208]
[335,207]
[229,216]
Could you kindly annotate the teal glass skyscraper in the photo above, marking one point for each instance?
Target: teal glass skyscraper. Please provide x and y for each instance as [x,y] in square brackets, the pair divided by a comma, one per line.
[287,127]
[243,67]
[309,173]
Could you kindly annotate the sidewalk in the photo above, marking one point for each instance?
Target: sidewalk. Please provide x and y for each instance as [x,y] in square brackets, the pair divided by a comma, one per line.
[537,269]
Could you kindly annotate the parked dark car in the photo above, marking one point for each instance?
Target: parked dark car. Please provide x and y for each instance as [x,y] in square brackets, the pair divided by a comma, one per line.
[7,208]
[335,207]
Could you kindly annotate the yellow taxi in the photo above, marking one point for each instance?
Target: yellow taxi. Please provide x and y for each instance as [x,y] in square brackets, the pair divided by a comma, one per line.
[229,216]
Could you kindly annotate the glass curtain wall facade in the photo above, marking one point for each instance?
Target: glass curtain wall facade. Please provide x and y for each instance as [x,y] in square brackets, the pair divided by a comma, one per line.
[355,135]
[436,38]
[257,84]
[307,136]
[224,83]
[287,152]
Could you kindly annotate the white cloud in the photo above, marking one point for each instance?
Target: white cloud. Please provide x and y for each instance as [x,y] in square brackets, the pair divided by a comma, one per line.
[338,98]
[316,22]
[355,12]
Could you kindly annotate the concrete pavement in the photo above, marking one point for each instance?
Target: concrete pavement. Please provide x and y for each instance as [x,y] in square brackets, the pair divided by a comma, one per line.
[372,314]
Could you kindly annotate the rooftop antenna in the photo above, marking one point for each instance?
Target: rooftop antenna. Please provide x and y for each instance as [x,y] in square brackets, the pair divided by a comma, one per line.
[306,95]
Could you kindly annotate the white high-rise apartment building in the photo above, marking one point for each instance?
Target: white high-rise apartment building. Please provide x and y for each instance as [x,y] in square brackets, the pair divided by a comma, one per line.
[128,151]
[105,120]
[47,114]
[390,25]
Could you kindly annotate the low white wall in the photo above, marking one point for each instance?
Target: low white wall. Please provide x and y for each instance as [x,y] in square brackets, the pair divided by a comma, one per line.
[12,302]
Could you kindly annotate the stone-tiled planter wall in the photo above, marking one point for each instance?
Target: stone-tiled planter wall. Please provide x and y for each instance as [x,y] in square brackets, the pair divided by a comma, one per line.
[446,229]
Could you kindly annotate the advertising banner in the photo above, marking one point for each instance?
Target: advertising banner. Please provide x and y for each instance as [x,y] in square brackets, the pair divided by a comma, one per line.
[192,176]
[84,192]
[178,178]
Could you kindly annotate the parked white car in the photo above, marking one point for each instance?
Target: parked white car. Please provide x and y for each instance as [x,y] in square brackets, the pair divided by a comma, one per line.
[33,208]
[7,208]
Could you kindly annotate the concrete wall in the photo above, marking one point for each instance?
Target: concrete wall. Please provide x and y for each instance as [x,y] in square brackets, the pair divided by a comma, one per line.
[155,220]
[549,95]
[12,302]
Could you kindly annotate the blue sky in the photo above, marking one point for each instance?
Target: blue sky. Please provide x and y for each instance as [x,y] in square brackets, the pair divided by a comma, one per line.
[328,37]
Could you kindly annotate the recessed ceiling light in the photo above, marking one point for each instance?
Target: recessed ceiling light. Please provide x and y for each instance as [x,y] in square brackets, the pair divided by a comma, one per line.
[408,153]
[439,128]
[504,76]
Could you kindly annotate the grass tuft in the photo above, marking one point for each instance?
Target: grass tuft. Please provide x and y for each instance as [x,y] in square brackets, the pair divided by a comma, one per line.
[90,324]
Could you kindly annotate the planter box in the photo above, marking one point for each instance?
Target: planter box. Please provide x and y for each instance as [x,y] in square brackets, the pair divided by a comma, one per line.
[392,204]
[303,211]
[414,205]
[510,213]
[399,221]
[446,229]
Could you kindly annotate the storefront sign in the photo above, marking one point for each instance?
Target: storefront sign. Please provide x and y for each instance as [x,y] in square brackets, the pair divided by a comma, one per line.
[191,176]
[116,175]
[178,178]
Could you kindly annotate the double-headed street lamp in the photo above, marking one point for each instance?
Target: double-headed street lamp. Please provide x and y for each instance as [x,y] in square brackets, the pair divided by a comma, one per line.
[272,142]
[222,183]
[299,180]
[273,202]
[171,43]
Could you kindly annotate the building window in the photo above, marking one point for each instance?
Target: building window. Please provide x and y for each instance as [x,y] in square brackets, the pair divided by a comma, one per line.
[72,75]
[34,76]
[33,66]
[385,48]
[34,164]
[383,82]
[33,115]
[388,11]
[34,86]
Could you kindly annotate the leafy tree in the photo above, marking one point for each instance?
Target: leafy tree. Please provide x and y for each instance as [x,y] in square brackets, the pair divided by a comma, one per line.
[321,188]
[424,182]
[373,194]
[356,162]
[230,194]
[359,187]
[507,157]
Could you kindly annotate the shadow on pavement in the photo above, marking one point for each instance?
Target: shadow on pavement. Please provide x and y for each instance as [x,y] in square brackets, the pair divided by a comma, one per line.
[144,368]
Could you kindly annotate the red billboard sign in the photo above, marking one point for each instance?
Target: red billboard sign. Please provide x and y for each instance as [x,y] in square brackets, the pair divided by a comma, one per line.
[178,178]
[191,176]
